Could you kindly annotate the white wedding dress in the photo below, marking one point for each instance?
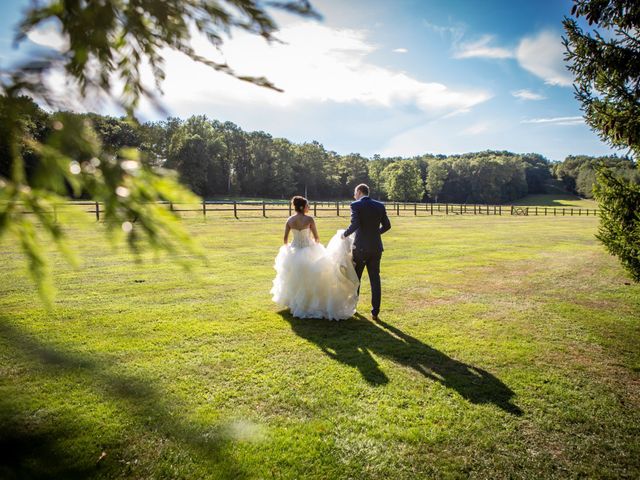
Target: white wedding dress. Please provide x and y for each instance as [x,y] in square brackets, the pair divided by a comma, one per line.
[314,281]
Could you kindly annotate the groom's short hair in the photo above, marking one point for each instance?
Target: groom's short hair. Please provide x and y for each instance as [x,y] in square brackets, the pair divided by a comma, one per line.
[364,188]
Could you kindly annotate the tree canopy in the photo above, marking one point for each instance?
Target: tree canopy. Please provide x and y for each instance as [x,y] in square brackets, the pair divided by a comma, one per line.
[605,61]
[107,44]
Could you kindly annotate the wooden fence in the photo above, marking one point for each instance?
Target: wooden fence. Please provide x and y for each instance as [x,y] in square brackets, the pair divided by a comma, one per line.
[278,209]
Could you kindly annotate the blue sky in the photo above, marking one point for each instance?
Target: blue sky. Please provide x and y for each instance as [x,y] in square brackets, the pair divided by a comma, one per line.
[400,77]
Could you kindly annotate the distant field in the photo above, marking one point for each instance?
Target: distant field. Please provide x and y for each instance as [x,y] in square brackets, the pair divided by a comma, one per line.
[254,208]
[555,200]
[508,348]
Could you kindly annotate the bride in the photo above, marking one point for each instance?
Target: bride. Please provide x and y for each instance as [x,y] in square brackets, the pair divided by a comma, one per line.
[311,280]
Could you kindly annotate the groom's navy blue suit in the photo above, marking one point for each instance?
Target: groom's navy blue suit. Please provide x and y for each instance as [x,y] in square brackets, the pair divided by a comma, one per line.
[369,221]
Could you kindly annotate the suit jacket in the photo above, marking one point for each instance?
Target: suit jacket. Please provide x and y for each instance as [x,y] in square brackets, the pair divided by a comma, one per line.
[369,221]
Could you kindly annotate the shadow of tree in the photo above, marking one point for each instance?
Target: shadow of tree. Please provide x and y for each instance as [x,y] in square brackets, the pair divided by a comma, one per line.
[34,452]
[28,452]
[352,341]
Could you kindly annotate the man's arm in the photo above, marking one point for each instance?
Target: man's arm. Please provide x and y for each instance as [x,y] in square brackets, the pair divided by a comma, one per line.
[355,221]
[386,224]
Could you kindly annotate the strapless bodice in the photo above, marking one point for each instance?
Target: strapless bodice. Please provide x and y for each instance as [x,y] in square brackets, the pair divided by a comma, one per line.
[301,238]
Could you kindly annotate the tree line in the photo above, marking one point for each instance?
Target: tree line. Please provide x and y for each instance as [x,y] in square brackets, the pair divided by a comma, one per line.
[578,173]
[215,158]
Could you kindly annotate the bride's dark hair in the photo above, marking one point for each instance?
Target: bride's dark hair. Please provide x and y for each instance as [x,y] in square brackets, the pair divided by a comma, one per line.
[299,203]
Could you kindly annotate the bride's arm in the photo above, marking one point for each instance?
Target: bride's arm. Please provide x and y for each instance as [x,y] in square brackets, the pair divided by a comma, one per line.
[314,230]
[287,228]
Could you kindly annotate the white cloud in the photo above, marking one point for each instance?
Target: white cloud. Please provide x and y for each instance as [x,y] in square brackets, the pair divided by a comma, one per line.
[315,64]
[543,55]
[525,94]
[556,121]
[503,134]
[481,48]
[455,31]
[49,35]
[439,137]
[476,129]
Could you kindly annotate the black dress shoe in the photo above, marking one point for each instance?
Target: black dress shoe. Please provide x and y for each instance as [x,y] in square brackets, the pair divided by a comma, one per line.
[374,317]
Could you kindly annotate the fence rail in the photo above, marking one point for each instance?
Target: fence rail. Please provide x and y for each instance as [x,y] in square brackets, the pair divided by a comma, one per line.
[270,208]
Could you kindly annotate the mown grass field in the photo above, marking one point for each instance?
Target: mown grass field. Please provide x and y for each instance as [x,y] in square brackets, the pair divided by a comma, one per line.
[555,200]
[507,348]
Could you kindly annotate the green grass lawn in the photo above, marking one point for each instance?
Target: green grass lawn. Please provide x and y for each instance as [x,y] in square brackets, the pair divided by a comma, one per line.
[507,348]
[555,200]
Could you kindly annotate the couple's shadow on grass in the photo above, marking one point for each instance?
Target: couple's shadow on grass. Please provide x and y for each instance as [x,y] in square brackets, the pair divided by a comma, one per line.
[353,341]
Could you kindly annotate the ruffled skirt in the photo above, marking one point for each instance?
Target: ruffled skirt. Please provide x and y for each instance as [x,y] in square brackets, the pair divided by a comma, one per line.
[317,282]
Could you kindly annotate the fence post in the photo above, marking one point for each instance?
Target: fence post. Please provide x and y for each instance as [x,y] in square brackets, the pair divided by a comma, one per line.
[545,211]
[536,211]
[432,208]
[397,209]
[587,212]
[572,211]
[289,208]
[235,209]
[460,209]
[500,209]
[338,209]
[563,212]
[171,206]
[204,208]
[97,212]
[415,209]
[264,209]
[446,209]
[487,209]
[315,205]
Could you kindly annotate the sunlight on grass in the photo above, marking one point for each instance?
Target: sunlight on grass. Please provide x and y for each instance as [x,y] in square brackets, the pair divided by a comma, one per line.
[556,200]
[507,346]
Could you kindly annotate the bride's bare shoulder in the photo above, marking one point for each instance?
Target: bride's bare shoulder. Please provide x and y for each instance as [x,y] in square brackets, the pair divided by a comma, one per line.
[293,221]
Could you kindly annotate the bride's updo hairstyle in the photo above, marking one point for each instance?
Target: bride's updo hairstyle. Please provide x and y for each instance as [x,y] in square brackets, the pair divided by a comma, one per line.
[299,203]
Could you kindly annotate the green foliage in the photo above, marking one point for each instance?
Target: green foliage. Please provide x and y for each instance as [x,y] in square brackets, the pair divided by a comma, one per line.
[496,179]
[196,151]
[403,182]
[482,177]
[619,219]
[606,66]
[110,40]
[283,179]
[73,161]
[376,177]
[537,172]
[578,173]
[351,170]
[45,158]
[437,175]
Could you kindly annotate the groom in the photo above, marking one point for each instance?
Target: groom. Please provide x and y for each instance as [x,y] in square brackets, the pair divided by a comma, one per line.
[369,220]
